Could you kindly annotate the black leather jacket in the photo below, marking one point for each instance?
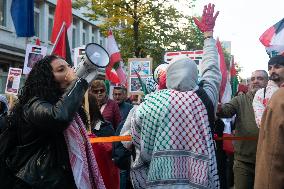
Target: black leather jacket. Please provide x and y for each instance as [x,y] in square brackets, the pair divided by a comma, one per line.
[42,129]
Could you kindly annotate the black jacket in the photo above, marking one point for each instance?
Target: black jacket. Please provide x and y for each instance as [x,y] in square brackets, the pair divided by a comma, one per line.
[3,122]
[106,129]
[120,155]
[41,158]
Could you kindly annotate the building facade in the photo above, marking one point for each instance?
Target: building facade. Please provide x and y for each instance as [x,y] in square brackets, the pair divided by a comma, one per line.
[12,48]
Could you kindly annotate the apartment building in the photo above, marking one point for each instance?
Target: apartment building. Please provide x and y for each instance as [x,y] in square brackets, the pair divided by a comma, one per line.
[12,48]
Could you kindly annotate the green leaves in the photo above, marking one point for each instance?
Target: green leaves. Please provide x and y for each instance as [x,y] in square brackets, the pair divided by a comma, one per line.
[145,27]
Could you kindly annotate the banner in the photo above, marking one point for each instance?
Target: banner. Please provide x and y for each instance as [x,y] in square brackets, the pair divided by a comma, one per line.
[34,53]
[13,81]
[194,55]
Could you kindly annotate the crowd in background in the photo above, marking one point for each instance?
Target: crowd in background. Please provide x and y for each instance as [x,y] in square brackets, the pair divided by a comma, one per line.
[175,129]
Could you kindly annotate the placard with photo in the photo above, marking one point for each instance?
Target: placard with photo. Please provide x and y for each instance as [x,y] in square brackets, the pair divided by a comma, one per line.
[79,54]
[13,81]
[34,53]
[135,85]
[142,66]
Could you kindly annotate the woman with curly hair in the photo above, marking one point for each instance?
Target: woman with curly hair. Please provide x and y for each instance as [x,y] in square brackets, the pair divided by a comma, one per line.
[52,149]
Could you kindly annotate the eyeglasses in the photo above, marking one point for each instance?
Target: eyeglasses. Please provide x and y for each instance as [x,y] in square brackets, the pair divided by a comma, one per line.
[97,91]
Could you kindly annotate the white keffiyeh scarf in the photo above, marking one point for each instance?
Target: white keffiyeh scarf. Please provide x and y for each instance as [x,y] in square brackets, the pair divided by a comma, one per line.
[82,159]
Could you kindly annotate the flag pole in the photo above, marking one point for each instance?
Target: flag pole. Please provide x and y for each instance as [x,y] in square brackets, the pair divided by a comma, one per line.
[58,36]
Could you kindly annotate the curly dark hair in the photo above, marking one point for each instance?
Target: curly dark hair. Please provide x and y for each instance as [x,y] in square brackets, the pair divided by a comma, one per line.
[40,83]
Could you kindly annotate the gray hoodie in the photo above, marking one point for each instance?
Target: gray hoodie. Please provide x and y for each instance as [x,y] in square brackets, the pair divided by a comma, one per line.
[182,73]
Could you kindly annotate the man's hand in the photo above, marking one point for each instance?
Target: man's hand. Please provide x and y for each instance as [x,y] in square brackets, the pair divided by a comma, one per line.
[219,107]
[207,22]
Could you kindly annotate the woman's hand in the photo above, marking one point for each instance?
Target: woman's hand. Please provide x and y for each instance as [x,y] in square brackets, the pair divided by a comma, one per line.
[70,76]
[207,22]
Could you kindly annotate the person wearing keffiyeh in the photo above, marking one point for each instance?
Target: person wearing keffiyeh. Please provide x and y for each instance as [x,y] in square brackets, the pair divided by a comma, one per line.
[171,129]
[51,149]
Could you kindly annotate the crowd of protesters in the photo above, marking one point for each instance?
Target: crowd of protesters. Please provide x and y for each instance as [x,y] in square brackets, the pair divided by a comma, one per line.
[44,137]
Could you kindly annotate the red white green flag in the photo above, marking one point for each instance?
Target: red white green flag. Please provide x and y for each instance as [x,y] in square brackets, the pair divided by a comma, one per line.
[114,71]
[223,70]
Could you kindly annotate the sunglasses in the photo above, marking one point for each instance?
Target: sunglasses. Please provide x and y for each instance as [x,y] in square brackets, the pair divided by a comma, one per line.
[97,91]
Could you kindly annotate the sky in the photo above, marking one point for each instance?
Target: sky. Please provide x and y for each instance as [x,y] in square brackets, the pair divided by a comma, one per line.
[242,22]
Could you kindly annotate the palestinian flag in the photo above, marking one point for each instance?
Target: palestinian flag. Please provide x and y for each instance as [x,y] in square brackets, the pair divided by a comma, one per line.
[62,30]
[142,84]
[273,39]
[234,80]
[223,69]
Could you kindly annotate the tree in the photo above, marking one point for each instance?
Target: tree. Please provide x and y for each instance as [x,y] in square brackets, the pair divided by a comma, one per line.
[143,27]
[195,38]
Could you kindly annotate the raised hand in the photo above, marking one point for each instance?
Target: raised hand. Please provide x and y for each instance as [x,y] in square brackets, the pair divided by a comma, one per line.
[207,22]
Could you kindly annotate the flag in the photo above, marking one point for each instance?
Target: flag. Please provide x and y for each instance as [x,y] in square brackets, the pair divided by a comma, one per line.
[223,69]
[142,84]
[62,30]
[227,95]
[38,42]
[234,79]
[22,12]
[114,71]
[273,39]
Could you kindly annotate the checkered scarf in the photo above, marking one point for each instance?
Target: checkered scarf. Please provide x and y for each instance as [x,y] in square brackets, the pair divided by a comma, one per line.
[174,145]
[151,85]
[82,159]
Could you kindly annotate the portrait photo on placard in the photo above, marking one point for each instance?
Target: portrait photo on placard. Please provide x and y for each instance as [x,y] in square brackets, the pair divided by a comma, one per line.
[135,84]
[33,58]
[34,53]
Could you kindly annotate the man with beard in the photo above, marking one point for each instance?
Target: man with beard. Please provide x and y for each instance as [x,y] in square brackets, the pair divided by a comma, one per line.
[245,126]
[262,96]
[270,154]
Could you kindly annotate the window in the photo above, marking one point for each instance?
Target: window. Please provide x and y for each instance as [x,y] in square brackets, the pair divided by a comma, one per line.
[3,13]
[84,34]
[94,39]
[84,37]
[102,43]
[51,11]
[74,33]
[37,4]
[36,18]
[74,37]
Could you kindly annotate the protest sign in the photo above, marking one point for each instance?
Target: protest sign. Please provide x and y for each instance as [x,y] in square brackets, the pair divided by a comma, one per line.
[141,67]
[13,81]
[79,53]
[33,54]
